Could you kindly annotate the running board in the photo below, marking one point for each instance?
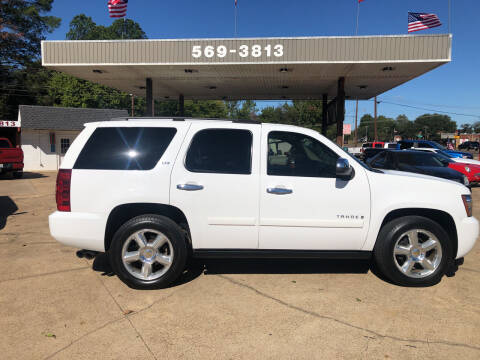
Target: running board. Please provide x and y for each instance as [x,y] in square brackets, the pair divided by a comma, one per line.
[280,254]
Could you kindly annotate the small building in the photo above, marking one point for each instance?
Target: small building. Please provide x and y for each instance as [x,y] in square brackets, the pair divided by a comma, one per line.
[48,131]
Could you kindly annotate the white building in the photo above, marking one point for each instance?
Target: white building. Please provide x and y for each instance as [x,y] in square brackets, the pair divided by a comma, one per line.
[48,131]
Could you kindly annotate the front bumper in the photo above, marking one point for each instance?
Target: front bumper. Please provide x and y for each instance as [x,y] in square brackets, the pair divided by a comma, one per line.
[467,232]
[80,230]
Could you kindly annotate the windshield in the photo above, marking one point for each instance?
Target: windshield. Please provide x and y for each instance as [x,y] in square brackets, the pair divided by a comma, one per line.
[439,146]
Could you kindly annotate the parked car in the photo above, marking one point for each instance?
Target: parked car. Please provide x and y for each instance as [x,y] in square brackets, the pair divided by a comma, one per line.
[450,156]
[371,152]
[417,162]
[471,171]
[392,145]
[375,144]
[422,144]
[153,192]
[11,159]
[469,145]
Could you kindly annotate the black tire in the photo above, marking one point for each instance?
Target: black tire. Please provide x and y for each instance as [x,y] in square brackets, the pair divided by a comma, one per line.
[159,223]
[17,174]
[384,250]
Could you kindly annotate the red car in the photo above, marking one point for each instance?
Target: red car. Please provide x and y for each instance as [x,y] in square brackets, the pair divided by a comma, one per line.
[375,144]
[471,171]
[11,158]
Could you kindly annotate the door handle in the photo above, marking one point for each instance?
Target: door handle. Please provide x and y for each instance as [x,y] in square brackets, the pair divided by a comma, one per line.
[279,191]
[189,187]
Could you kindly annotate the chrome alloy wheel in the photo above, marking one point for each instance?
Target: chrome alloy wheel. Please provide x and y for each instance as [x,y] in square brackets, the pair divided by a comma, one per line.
[417,253]
[147,254]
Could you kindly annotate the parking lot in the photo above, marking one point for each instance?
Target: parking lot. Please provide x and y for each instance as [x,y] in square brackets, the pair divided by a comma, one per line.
[55,305]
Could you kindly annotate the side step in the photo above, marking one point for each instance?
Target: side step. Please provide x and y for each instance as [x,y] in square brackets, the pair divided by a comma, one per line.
[279,254]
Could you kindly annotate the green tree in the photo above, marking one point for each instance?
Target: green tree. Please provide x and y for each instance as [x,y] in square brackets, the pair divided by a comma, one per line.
[23,26]
[241,109]
[82,27]
[431,125]
[466,128]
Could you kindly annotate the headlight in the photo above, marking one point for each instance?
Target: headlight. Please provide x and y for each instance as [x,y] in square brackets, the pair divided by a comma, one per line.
[467,169]
[467,202]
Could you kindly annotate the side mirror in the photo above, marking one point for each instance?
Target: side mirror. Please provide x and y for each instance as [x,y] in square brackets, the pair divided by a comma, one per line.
[343,170]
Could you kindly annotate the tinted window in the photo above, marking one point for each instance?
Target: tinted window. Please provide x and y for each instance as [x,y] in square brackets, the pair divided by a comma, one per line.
[379,145]
[424,146]
[293,154]
[225,151]
[125,148]
[418,159]
[4,144]
[405,145]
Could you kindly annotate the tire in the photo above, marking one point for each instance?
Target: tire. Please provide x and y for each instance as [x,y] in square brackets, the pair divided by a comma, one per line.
[166,261]
[17,174]
[392,252]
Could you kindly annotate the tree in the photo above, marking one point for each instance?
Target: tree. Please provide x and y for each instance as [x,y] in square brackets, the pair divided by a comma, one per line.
[23,26]
[466,128]
[82,27]
[240,109]
[431,125]
[476,126]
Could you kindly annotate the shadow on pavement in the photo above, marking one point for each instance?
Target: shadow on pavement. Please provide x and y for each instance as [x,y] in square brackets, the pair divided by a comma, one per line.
[26,175]
[286,266]
[7,208]
[196,267]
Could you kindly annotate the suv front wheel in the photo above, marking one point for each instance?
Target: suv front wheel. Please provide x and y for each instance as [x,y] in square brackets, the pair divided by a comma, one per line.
[148,251]
[413,251]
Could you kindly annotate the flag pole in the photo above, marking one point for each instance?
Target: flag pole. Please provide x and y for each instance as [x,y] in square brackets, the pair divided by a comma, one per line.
[235,18]
[449,16]
[358,13]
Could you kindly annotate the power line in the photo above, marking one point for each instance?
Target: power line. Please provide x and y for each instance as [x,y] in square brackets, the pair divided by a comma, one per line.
[434,110]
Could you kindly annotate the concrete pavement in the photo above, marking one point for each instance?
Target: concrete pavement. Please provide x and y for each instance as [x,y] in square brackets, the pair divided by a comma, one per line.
[56,306]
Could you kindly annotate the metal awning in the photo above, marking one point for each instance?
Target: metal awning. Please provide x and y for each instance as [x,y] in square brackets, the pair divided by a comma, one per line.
[254,68]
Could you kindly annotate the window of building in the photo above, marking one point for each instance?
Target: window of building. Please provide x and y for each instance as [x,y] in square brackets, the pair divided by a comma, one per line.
[225,151]
[125,148]
[64,145]
[294,154]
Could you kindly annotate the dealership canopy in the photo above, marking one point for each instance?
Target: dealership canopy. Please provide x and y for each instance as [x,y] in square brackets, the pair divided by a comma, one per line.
[359,67]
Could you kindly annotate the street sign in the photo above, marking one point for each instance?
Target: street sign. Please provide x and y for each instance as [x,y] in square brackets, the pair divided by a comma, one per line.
[9,123]
[347,129]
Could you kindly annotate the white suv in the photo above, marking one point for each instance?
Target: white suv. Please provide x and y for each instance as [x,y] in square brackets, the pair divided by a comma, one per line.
[153,192]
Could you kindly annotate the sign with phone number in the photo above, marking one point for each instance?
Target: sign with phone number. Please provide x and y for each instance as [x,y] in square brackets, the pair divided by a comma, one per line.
[242,51]
[8,123]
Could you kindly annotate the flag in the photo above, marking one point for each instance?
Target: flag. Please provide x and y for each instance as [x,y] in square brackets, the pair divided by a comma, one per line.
[117,8]
[422,21]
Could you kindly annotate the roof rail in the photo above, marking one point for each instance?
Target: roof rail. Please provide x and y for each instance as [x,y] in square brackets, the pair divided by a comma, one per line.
[183,118]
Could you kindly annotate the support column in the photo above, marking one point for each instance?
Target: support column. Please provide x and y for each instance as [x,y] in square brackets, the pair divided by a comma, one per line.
[340,110]
[324,114]
[375,119]
[181,105]
[149,99]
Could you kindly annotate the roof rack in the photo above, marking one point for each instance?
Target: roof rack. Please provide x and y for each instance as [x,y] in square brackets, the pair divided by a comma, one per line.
[183,118]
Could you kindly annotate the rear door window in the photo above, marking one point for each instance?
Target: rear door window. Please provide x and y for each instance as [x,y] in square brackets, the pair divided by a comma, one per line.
[124,148]
[223,151]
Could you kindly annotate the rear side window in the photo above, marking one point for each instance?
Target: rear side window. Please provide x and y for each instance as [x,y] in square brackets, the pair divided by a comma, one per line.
[225,151]
[4,144]
[124,148]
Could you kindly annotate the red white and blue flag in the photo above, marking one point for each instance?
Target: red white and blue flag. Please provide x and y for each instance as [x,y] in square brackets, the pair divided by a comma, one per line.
[422,21]
[117,8]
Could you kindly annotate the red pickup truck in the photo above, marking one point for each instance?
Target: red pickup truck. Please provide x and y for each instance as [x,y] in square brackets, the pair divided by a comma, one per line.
[11,159]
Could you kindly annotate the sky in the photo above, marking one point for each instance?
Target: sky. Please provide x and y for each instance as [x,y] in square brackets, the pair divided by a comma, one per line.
[453,87]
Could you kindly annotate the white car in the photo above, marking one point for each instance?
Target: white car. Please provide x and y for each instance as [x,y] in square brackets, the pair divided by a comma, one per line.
[153,192]
[456,159]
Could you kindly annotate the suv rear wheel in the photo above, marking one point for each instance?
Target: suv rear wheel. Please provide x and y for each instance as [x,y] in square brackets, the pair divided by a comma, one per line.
[148,251]
[413,251]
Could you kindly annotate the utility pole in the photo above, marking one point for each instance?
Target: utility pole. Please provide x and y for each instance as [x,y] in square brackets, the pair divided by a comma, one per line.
[356,118]
[375,119]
